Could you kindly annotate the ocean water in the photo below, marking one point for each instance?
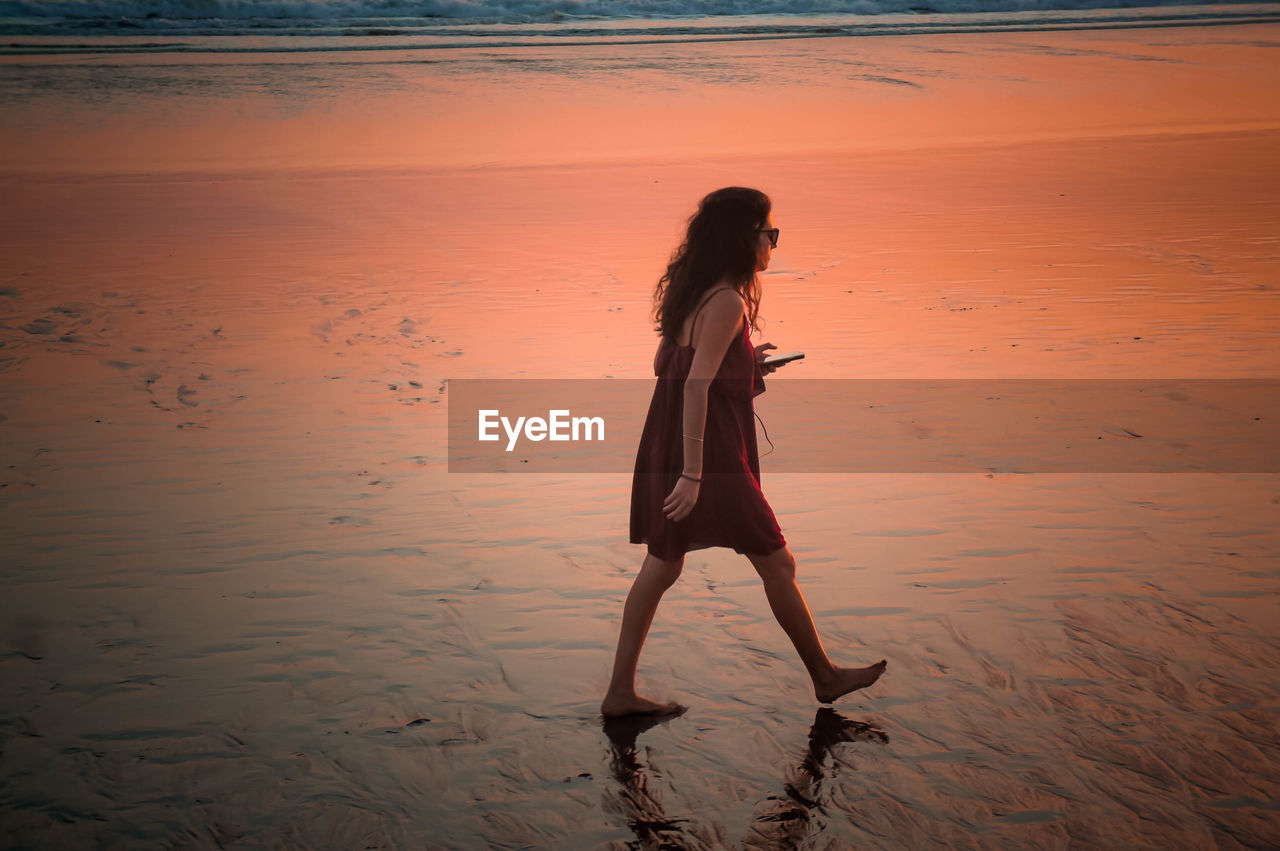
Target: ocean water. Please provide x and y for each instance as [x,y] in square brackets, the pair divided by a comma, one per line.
[301,25]
[247,604]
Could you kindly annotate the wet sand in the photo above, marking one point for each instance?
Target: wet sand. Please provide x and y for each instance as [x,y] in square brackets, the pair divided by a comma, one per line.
[247,606]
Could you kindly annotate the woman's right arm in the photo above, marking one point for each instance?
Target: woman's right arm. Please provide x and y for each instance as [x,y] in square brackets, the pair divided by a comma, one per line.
[721,319]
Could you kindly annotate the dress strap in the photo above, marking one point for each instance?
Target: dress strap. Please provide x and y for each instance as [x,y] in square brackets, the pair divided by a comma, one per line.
[694,322]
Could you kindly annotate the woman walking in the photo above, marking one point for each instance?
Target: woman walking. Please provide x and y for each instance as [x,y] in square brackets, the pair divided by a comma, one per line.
[697,476]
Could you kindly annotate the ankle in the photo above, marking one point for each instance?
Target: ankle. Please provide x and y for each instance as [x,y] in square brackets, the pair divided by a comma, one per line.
[824,676]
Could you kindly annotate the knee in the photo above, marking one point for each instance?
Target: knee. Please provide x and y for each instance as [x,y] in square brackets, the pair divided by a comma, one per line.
[778,567]
[664,572]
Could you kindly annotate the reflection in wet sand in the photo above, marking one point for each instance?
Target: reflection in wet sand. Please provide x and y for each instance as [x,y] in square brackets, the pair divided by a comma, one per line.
[635,802]
[781,821]
[785,822]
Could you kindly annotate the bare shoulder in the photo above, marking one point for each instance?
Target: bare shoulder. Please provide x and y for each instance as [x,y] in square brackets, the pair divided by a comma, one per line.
[724,311]
[726,304]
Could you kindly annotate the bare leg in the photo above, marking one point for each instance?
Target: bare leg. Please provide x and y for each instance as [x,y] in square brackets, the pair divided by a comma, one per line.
[656,576]
[778,571]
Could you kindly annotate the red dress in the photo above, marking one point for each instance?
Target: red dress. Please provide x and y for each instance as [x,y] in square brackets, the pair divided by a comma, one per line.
[731,510]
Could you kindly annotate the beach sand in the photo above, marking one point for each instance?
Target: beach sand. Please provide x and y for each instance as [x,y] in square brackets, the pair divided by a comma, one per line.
[246,605]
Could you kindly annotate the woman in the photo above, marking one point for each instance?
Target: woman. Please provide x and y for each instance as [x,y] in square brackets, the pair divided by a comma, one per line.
[697,479]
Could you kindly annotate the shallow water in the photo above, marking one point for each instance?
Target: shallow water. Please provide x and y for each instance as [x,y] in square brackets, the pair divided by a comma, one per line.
[247,605]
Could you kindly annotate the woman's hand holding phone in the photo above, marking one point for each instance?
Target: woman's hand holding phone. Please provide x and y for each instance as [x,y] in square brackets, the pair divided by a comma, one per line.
[769,363]
[760,356]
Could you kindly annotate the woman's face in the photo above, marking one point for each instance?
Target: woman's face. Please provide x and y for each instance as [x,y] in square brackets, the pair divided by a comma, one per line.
[764,250]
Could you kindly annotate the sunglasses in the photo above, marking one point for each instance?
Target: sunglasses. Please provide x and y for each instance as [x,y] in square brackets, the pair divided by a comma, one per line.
[772,233]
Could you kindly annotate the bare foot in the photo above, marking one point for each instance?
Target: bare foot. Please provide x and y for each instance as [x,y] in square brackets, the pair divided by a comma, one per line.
[845,680]
[617,707]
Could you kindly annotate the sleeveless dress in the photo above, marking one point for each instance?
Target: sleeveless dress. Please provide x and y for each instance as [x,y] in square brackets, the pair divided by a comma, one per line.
[731,510]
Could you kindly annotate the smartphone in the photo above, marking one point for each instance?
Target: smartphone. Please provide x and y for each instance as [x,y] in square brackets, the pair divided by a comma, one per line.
[778,360]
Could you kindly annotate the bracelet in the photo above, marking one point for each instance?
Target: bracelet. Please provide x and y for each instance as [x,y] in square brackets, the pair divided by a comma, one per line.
[691,437]
[690,478]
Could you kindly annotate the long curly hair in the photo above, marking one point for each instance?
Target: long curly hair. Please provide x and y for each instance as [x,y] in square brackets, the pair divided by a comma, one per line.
[721,243]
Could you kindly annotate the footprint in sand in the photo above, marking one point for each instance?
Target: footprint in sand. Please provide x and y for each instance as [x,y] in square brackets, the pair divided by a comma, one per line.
[1121,432]
[63,321]
[40,326]
[11,364]
[28,637]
